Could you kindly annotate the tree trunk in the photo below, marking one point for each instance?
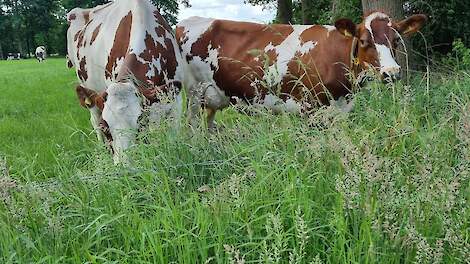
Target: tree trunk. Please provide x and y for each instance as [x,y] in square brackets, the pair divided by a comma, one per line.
[284,11]
[334,10]
[306,12]
[28,48]
[394,8]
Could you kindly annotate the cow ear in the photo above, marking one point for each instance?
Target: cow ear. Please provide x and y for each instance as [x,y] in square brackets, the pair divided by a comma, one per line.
[69,64]
[100,100]
[411,25]
[86,96]
[346,27]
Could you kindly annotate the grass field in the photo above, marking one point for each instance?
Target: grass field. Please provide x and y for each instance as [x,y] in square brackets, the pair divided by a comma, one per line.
[386,183]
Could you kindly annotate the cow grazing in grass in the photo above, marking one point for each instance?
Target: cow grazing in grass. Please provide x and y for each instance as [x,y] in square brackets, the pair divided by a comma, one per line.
[14,56]
[40,53]
[126,58]
[280,66]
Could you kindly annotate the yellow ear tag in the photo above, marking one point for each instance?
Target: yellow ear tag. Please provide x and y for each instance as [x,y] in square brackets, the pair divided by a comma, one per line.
[347,34]
[88,101]
[356,61]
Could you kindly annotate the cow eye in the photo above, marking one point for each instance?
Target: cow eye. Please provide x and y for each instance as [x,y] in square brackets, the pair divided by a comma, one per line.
[363,42]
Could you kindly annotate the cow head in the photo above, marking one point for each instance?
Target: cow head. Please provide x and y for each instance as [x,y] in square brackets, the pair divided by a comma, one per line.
[93,101]
[378,38]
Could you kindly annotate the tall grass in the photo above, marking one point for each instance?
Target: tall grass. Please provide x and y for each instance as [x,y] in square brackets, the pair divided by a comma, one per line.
[386,183]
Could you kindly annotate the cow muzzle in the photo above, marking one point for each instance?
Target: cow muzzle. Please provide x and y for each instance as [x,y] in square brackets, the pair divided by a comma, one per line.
[390,75]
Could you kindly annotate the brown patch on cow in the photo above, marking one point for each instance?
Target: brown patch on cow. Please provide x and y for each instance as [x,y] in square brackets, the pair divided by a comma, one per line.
[82,73]
[162,21]
[86,16]
[69,63]
[75,38]
[120,45]
[104,127]
[80,39]
[168,54]
[95,34]
[160,30]
[80,35]
[131,66]
[153,51]
[153,94]
[242,57]
[71,18]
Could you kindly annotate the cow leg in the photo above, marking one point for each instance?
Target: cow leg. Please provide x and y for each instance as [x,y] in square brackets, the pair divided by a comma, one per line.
[177,110]
[121,112]
[214,99]
[195,93]
[164,109]
[343,105]
[211,119]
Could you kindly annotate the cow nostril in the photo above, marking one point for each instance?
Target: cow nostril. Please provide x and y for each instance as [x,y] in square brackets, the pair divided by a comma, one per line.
[390,77]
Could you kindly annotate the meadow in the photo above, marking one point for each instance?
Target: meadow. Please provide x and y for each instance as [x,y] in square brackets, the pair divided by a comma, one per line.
[385,183]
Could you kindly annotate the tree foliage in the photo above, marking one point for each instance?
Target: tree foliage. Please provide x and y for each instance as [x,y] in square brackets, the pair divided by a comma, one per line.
[25,24]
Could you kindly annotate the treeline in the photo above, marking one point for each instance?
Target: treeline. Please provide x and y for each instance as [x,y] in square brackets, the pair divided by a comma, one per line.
[25,24]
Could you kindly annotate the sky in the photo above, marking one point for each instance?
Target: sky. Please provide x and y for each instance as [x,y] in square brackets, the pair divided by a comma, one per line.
[227,9]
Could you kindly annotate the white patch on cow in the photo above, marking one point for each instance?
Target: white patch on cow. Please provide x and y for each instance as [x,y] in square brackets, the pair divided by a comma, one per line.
[269,47]
[198,26]
[372,17]
[277,105]
[213,57]
[122,111]
[329,29]
[343,105]
[387,62]
[286,51]
[165,109]
[215,98]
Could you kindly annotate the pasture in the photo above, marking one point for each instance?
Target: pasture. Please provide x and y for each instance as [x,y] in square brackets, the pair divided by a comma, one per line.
[385,183]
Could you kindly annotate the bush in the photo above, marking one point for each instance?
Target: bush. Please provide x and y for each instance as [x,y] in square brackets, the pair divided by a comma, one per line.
[459,58]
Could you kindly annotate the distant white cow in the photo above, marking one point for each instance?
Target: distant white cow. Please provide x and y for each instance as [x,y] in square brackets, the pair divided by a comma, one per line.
[13,56]
[41,53]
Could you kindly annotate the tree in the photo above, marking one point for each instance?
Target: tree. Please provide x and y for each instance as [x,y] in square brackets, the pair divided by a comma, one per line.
[284,11]
[448,21]
[71,4]
[346,9]
[307,8]
[170,9]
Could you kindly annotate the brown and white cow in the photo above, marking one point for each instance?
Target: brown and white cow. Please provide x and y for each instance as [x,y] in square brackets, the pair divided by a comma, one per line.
[126,56]
[252,61]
